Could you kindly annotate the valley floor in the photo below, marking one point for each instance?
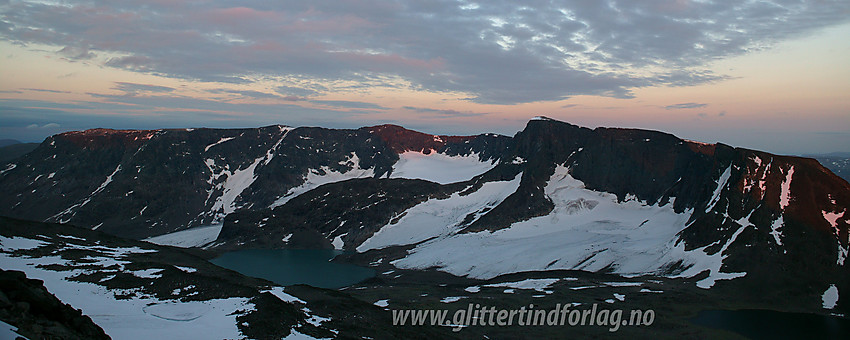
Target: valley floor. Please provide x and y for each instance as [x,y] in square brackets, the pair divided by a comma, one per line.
[137,289]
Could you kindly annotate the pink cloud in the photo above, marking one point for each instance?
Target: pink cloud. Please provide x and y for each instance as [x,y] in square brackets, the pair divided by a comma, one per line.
[343,24]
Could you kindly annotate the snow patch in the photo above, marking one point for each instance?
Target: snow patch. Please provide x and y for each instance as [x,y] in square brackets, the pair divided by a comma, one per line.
[842,253]
[830,297]
[278,292]
[774,230]
[71,209]
[325,175]
[832,218]
[713,263]
[194,237]
[439,217]
[72,237]
[9,168]
[150,273]
[536,284]
[317,321]
[450,299]
[222,140]
[106,182]
[295,335]
[721,183]
[785,195]
[338,243]
[10,244]
[236,181]
[761,173]
[233,186]
[623,284]
[645,290]
[186,269]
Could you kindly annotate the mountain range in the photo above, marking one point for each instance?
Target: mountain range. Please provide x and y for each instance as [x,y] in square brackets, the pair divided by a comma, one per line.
[555,196]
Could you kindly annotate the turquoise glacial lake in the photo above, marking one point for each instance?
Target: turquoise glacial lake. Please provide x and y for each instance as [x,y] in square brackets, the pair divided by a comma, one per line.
[295,266]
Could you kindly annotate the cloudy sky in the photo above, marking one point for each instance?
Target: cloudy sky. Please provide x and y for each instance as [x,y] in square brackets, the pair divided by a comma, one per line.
[769,75]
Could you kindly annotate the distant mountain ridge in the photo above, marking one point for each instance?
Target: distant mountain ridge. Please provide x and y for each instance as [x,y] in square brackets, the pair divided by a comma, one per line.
[142,183]
[11,149]
[838,162]
[561,196]
[7,142]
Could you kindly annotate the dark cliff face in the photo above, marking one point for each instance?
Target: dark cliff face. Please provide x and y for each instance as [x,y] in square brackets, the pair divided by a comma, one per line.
[651,166]
[659,168]
[130,183]
[779,207]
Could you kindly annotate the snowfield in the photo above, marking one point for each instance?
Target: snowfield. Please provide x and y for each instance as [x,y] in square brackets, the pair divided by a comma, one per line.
[8,331]
[438,167]
[587,230]
[132,318]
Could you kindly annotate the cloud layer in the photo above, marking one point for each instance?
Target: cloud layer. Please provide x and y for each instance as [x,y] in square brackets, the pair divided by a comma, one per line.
[500,52]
